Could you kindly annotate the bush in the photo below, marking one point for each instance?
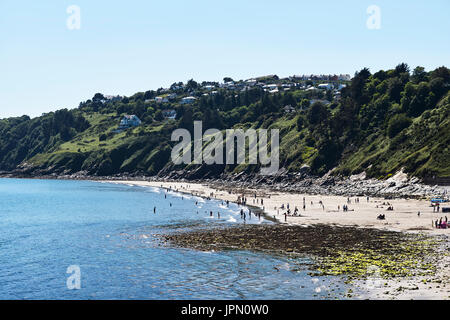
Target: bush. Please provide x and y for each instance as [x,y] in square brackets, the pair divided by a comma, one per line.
[397,124]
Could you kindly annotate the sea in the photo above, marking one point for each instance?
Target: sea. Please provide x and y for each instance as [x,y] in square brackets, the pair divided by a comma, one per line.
[63,239]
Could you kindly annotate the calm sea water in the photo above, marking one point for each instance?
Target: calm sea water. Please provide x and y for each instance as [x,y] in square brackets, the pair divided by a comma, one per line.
[109,231]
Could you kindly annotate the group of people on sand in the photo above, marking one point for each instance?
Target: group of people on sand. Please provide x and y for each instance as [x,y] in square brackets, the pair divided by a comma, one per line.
[441,223]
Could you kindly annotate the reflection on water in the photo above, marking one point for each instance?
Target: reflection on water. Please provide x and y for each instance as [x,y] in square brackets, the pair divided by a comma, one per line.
[110,232]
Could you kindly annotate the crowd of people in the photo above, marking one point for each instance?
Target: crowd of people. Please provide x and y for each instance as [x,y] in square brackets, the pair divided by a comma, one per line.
[286,210]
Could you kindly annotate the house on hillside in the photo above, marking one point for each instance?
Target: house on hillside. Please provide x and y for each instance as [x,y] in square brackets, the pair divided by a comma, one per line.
[161,99]
[169,113]
[289,109]
[271,87]
[325,86]
[172,96]
[129,121]
[188,100]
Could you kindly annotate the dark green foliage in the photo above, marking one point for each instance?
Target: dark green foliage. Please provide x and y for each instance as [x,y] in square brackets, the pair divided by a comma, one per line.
[383,122]
[22,138]
[398,123]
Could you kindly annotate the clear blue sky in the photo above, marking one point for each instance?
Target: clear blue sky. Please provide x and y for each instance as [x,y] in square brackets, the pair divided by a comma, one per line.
[130,46]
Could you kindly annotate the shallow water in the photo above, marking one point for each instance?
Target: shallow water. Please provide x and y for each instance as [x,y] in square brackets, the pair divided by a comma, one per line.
[110,230]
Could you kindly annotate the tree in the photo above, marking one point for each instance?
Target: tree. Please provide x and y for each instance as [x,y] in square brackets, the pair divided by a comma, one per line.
[186,120]
[159,115]
[98,97]
[419,75]
[227,79]
[441,72]
[357,86]
[395,88]
[401,68]
[317,113]
[398,123]
[191,85]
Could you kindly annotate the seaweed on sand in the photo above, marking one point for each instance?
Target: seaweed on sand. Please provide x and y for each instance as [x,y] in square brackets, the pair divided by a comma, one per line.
[336,250]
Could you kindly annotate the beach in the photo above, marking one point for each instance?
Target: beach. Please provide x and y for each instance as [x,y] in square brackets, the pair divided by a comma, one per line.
[328,210]
[364,213]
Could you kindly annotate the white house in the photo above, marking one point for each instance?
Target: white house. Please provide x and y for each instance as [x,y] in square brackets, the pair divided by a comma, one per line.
[325,86]
[209,87]
[274,91]
[271,88]
[161,99]
[188,100]
[129,121]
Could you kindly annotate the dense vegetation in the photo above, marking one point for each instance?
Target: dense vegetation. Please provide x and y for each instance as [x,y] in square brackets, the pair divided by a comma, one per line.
[381,123]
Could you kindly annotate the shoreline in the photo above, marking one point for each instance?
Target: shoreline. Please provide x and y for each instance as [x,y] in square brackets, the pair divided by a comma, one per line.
[361,215]
[404,217]
[403,220]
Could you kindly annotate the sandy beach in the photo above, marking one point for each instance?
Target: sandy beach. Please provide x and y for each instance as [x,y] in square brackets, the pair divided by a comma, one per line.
[362,213]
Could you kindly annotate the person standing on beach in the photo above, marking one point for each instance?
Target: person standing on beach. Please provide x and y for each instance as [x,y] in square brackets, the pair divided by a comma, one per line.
[154,209]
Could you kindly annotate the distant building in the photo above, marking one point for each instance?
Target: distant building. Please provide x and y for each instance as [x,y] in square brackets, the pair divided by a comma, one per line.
[129,121]
[272,88]
[325,86]
[171,96]
[169,113]
[112,98]
[289,109]
[209,87]
[188,100]
[161,99]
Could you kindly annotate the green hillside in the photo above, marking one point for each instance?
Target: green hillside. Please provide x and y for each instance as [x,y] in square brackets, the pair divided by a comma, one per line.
[377,123]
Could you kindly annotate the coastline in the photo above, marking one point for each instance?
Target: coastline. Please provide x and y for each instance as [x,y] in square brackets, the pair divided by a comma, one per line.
[403,219]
